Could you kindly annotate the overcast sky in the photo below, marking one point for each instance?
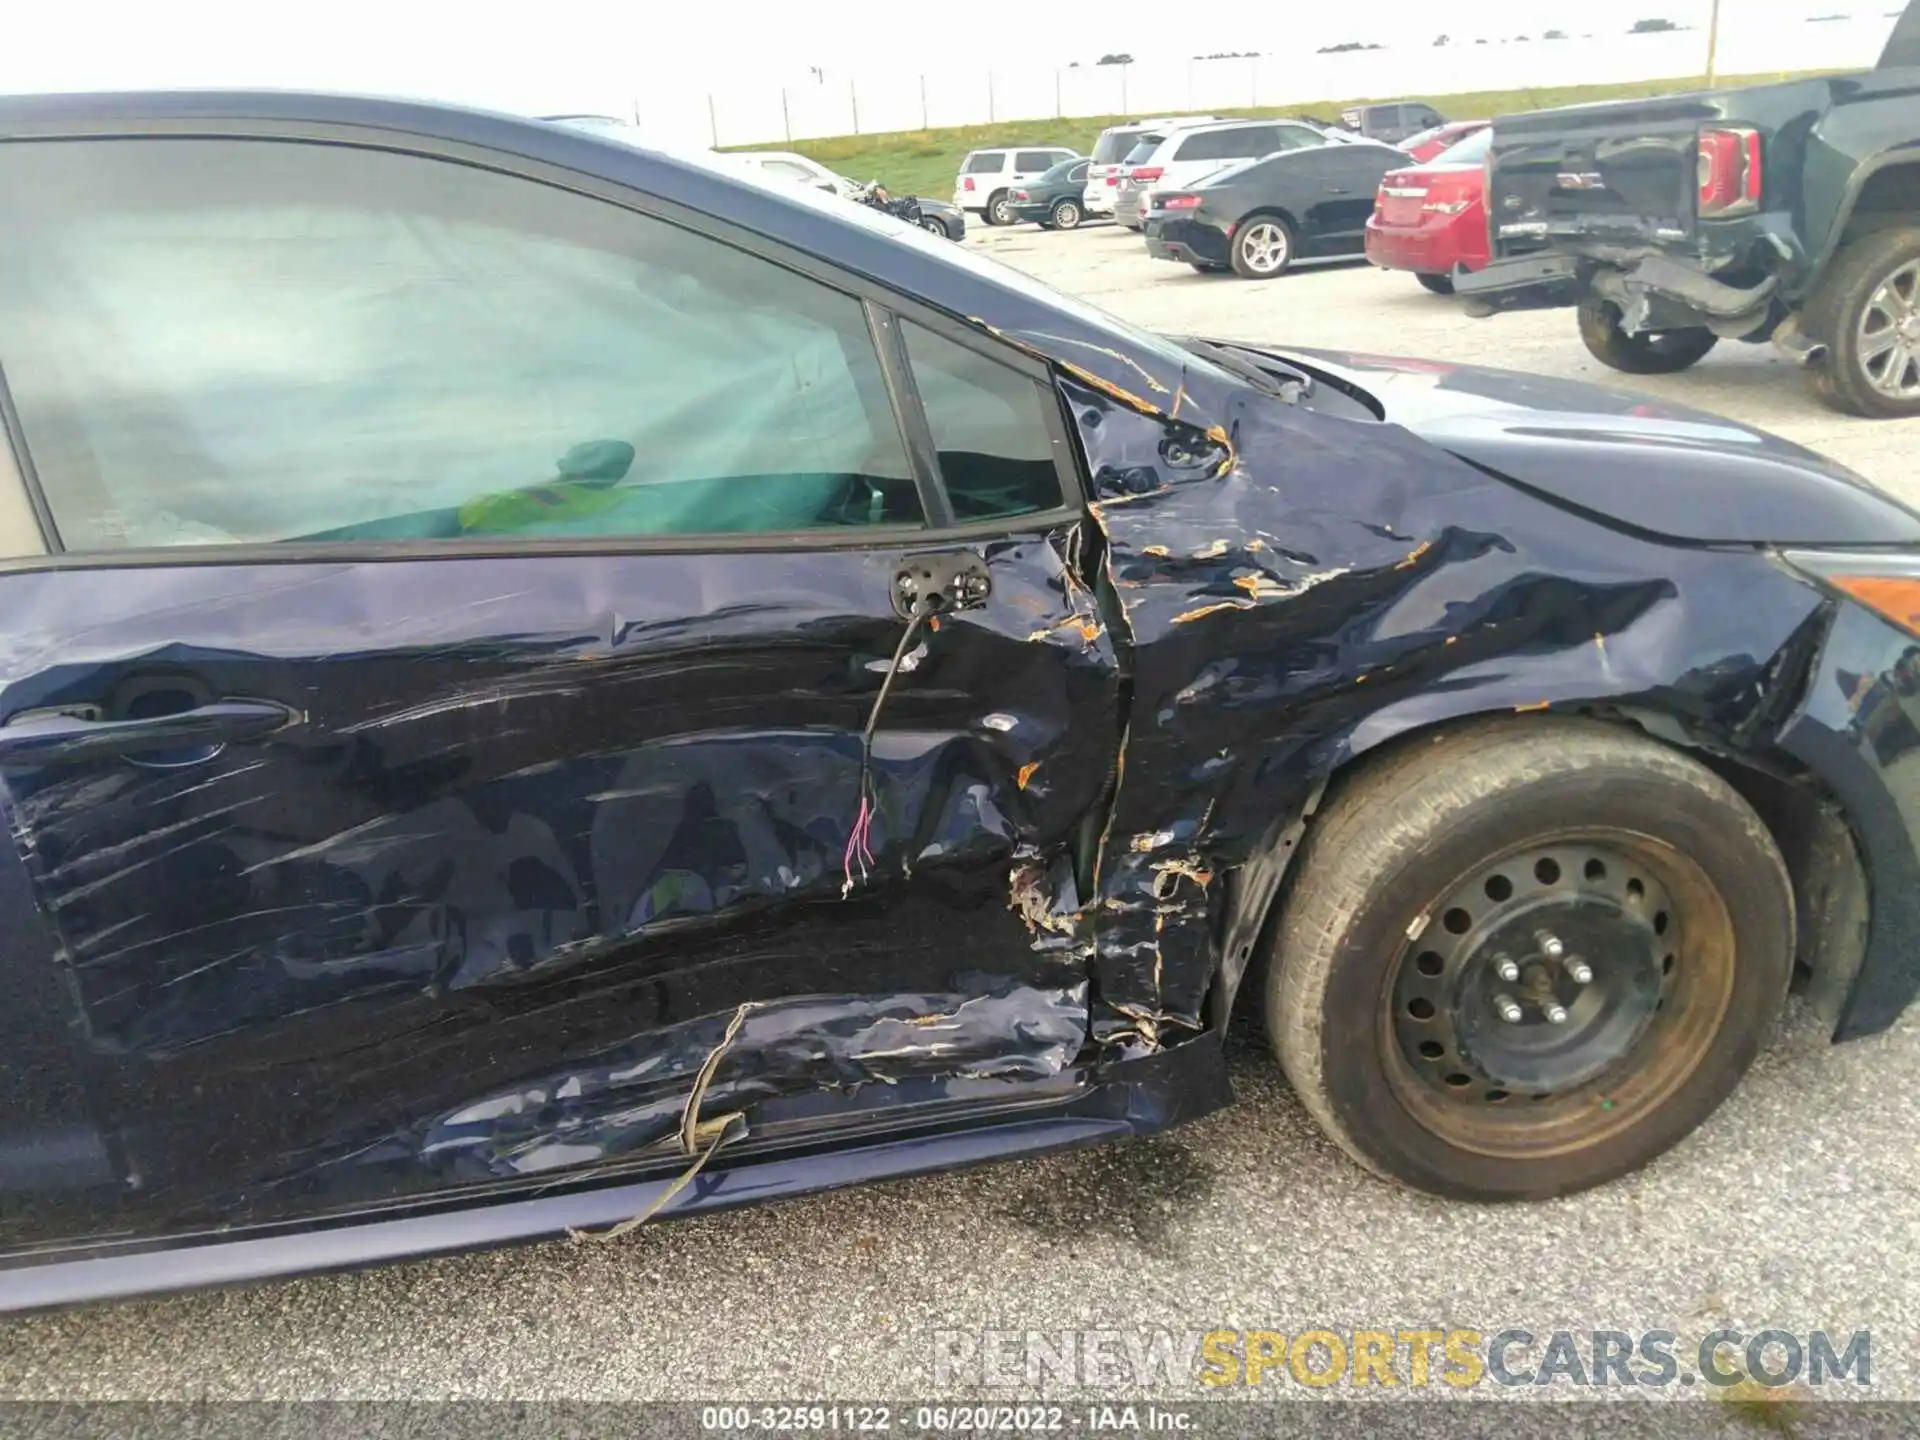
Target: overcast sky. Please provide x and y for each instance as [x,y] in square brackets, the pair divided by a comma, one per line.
[596,54]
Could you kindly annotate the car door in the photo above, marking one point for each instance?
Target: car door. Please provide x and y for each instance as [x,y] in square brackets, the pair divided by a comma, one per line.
[492,642]
[1339,183]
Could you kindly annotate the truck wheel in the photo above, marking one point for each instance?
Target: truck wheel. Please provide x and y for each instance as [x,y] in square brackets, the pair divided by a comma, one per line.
[999,209]
[1262,248]
[1066,215]
[1438,284]
[1655,352]
[1867,309]
[1527,957]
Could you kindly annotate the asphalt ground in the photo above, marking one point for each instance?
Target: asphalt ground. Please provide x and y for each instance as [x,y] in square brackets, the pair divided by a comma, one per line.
[1794,1207]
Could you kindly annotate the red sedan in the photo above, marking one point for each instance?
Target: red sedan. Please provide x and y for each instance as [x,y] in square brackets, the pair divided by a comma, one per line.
[1430,218]
[1429,144]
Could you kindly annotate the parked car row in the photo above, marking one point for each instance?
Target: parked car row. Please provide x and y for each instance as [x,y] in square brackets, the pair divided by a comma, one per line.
[1132,160]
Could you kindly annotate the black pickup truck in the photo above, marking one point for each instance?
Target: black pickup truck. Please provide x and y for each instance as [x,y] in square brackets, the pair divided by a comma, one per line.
[1787,212]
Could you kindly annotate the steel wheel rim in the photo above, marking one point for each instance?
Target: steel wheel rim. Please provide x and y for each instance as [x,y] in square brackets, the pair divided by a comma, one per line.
[1265,247]
[1002,211]
[1068,214]
[932,226]
[1642,918]
[1889,335]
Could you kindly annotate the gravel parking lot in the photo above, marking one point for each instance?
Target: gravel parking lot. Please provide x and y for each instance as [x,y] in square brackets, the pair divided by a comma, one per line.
[1795,1206]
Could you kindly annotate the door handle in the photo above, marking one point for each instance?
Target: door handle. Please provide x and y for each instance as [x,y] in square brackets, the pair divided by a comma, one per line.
[54,738]
[1336,189]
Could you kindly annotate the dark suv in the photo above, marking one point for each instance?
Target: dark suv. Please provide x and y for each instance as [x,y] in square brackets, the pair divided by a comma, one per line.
[1392,122]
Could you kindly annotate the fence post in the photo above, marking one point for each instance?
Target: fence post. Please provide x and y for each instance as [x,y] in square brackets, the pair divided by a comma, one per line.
[1253,83]
[1123,88]
[853,97]
[713,121]
[786,116]
[990,97]
[925,124]
[1059,109]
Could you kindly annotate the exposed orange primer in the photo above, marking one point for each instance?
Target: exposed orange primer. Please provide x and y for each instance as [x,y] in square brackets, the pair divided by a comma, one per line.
[1205,610]
[1414,555]
[1537,705]
[1026,772]
[1155,550]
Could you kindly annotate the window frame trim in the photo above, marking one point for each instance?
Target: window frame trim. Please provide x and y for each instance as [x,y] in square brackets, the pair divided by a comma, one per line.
[903,395]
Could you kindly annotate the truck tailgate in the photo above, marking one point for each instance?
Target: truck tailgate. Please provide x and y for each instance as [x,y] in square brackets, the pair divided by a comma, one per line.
[1623,171]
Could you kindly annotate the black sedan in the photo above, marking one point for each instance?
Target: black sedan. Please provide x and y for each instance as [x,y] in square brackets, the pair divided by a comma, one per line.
[544,685]
[1261,217]
[1056,201]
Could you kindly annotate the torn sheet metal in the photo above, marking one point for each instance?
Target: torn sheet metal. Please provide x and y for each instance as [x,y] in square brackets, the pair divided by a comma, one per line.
[542,808]
[1299,587]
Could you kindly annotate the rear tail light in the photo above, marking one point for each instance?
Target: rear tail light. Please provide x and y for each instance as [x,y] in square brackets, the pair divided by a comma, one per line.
[1147,174]
[1178,202]
[1448,198]
[1113,179]
[967,184]
[1020,195]
[1731,171]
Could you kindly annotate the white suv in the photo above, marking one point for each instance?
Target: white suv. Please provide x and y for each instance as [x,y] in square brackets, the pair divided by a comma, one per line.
[1103,174]
[1187,157]
[988,176]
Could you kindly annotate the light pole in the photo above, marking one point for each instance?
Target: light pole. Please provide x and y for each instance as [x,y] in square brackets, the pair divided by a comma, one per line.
[1713,41]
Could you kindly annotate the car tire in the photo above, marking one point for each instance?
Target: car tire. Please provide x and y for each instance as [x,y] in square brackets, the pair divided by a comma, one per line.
[1262,247]
[1871,292]
[1067,215]
[999,209]
[1660,352]
[1438,284]
[934,225]
[1427,868]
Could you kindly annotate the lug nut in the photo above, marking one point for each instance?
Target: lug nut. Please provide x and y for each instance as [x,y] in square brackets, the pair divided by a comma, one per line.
[1509,1009]
[1579,972]
[1507,970]
[1550,945]
[1555,1012]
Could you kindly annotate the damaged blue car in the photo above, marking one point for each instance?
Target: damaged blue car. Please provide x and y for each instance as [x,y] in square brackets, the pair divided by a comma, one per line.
[544,685]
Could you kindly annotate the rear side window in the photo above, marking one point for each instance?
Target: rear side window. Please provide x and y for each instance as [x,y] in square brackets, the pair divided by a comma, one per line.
[1035,160]
[1144,147]
[215,341]
[985,162]
[1470,151]
[1111,145]
[989,428]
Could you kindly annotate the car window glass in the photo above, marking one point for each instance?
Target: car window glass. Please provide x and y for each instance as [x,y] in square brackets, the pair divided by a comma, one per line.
[1077,171]
[787,170]
[1296,137]
[989,428]
[1112,144]
[1034,160]
[1144,147]
[1061,174]
[241,341]
[985,162]
[1470,151]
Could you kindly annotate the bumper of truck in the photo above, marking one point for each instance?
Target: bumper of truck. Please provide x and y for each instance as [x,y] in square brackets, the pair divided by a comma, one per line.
[1653,289]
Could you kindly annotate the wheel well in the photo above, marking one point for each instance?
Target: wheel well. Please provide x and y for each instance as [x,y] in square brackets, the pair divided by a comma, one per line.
[1830,886]
[1890,198]
[1267,212]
